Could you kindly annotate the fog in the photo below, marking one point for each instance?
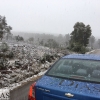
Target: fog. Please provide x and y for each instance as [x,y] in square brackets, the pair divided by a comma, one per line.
[51,16]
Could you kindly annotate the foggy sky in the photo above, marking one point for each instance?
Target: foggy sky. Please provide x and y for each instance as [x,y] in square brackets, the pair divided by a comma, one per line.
[51,16]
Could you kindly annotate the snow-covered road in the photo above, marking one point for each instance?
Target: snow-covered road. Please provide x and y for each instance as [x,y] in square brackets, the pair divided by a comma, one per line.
[97,52]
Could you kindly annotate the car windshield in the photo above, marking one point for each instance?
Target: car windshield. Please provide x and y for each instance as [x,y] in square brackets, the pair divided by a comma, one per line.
[86,70]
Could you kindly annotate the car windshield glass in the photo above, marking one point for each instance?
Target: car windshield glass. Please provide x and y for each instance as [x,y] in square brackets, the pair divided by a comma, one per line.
[88,70]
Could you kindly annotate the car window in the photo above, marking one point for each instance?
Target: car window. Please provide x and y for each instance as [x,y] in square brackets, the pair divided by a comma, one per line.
[88,70]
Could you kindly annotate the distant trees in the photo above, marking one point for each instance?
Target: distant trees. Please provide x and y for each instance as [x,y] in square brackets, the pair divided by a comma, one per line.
[19,38]
[31,39]
[80,37]
[4,28]
[52,43]
[41,42]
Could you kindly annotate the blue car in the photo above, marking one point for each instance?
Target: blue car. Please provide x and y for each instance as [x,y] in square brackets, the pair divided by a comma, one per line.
[73,77]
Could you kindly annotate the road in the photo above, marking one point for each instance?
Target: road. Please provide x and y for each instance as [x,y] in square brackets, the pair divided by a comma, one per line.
[97,51]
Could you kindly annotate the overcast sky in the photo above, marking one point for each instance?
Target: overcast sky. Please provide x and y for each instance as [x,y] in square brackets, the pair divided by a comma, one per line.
[51,16]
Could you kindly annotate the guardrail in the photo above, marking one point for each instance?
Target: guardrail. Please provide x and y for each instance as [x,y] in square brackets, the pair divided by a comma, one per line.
[21,92]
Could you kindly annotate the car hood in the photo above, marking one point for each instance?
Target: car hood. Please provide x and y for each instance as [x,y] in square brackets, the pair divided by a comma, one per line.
[72,86]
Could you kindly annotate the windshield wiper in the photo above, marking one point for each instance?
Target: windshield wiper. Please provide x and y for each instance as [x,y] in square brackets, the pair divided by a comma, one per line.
[77,77]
